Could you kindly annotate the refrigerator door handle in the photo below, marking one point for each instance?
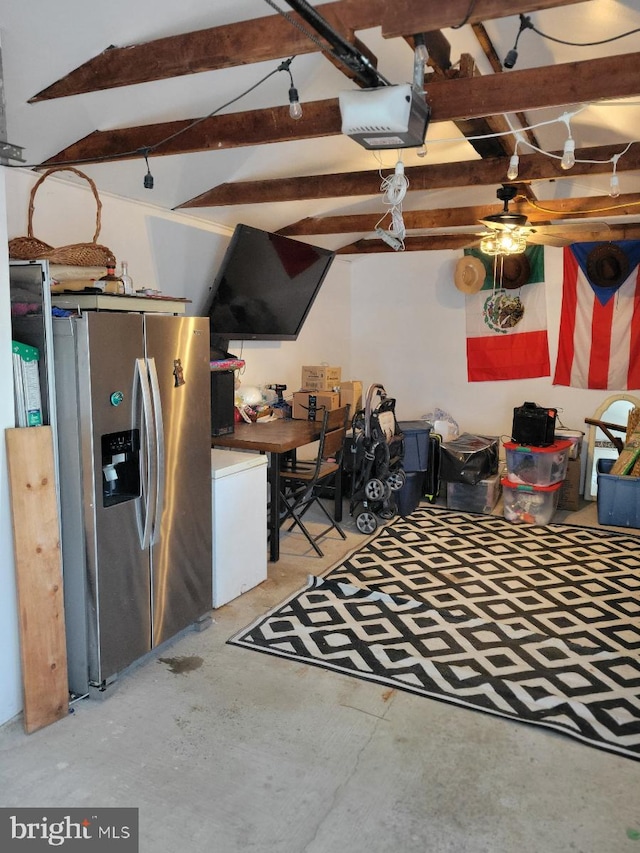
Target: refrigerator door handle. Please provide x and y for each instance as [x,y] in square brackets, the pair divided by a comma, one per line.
[159,444]
[148,458]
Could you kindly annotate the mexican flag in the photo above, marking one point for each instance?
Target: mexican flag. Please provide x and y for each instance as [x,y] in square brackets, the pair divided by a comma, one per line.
[507,328]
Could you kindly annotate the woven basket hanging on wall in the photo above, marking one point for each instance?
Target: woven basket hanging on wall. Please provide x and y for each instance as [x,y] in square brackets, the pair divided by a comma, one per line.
[30,248]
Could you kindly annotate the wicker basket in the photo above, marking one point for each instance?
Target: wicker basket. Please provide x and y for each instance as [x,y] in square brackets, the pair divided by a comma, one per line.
[29,248]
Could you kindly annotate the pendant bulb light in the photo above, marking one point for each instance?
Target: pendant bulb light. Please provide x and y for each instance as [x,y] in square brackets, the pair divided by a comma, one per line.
[568,155]
[614,186]
[295,108]
[512,172]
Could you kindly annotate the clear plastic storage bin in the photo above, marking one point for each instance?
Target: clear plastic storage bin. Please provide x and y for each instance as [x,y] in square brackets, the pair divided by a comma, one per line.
[537,466]
[525,504]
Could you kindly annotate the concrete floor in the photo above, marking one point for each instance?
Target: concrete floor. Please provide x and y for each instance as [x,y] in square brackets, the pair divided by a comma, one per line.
[224,749]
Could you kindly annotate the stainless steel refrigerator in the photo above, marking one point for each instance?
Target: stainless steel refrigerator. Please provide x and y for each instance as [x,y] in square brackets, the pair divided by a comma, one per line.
[134,433]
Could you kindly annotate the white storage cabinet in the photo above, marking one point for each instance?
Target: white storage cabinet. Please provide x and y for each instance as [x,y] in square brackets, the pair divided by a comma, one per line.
[239,517]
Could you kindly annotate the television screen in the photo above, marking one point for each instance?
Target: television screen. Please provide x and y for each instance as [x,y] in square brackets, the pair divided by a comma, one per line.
[265,286]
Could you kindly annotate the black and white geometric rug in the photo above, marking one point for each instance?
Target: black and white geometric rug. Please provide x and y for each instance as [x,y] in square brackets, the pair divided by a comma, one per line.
[539,624]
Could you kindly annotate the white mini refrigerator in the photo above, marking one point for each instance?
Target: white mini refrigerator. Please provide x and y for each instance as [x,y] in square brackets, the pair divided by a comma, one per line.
[239,517]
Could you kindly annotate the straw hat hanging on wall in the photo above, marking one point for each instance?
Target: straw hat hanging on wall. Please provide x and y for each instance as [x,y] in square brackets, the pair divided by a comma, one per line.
[470,274]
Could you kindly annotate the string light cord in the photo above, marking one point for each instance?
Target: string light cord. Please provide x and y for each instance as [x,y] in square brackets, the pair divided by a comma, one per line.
[543,209]
[145,151]
[580,43]
[394,187]
[470,9]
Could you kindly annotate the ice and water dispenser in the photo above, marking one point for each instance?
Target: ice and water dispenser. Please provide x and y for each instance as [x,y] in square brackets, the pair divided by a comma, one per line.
[120,466]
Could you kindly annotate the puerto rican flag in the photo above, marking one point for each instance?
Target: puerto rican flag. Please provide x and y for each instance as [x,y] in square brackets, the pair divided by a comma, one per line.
[599,339]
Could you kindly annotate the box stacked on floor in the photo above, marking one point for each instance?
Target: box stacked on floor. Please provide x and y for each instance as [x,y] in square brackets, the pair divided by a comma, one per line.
[534,478]
[469,466]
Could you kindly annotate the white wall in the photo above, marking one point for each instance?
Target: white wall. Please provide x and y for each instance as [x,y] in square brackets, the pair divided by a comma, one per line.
[408,332]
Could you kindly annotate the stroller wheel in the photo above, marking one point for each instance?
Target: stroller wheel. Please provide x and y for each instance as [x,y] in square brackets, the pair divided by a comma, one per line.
[376,490]
[396,480]
[389,509]
[366,522]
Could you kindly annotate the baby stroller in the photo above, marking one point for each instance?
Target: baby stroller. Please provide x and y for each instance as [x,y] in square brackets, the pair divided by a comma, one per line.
[374,456]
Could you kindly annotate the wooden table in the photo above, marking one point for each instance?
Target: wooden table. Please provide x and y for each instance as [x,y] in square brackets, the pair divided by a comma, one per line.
[275,438]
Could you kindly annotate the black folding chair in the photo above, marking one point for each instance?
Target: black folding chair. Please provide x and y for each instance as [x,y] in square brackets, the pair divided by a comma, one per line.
[302,481]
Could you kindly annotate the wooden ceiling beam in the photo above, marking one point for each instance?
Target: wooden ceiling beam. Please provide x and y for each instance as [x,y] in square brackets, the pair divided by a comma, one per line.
[434,242]
[456,217]
[450,100]
[269,38]
[403,17]
[532,167]
[242,43]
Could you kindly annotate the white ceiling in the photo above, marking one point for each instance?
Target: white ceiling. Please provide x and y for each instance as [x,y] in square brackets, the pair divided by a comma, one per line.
[43,41]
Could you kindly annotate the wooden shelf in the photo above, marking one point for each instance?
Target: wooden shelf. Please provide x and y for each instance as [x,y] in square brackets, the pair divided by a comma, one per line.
[117,302]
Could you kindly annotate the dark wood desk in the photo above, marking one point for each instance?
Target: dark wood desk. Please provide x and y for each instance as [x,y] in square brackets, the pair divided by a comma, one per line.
[275,438]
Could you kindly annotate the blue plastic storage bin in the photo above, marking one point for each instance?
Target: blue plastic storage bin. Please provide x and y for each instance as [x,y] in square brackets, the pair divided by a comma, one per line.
[416,445]
[618,497]
[409,496]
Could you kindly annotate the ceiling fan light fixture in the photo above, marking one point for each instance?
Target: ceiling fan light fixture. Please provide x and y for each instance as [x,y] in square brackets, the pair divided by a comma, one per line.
[503,243]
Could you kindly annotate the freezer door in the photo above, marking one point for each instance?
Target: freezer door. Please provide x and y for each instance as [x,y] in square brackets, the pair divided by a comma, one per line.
[177,351]
[112,442]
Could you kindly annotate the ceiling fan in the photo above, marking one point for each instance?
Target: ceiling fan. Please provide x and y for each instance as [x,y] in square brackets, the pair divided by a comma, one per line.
[509,233]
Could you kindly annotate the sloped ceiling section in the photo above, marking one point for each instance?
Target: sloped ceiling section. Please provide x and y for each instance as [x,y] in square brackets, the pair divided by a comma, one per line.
[317,184]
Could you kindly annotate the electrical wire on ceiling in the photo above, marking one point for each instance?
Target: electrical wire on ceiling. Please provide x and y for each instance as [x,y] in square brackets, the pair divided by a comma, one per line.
[525,24]
[472,6]
[146,151]
[394,188]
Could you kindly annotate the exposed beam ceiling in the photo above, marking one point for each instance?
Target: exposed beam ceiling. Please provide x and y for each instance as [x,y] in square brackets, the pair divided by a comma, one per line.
[533,167]
[434,242]
[450,100]
[269,38]
[453,217]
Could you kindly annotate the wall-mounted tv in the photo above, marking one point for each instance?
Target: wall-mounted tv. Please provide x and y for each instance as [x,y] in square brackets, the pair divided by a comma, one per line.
[265,287]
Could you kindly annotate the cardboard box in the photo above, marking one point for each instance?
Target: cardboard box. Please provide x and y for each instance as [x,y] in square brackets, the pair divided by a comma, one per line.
[310,405]
[351,394]
[570,489]
[319,377]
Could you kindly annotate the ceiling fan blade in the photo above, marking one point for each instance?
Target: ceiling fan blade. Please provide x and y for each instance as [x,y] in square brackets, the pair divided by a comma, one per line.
[545,239]
[495,225]
[587,226]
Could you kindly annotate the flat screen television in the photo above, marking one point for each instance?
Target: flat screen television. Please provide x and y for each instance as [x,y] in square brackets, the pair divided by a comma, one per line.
[265,287]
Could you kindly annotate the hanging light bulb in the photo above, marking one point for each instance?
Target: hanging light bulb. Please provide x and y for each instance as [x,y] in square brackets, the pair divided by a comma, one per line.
[295,108]
[614,186]
[512,172]
[614,183]
[568,155]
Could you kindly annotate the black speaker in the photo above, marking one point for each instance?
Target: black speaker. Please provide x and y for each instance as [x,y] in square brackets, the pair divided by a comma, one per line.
[533,425]
[222,397]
